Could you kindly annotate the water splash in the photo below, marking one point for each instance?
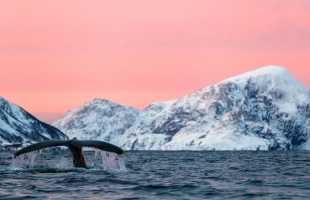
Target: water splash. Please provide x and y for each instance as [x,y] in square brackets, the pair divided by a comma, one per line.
[96,159]
[63,163]
[109,161]
[25,161]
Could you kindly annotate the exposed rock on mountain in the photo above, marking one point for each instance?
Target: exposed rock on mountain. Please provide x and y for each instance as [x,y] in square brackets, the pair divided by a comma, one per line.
[19,126]
[263,109]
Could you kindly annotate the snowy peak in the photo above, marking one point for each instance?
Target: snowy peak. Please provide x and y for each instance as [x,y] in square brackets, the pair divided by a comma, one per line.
[95,108]
[263,109]
[101,102]
[98,119]
[270,70]
[19,126]
[9,107]
[273,82]
[249,111]
[277,76]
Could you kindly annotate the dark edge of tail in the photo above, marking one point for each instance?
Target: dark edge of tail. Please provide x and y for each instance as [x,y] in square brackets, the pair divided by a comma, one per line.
[104,146]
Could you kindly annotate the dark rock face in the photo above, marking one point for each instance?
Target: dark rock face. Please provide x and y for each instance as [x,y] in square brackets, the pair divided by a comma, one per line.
[19,126]
[268,104]
[258,108]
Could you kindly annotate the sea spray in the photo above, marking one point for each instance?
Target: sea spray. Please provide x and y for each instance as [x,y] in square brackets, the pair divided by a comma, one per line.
[108,161]
[25,161]
[97,159]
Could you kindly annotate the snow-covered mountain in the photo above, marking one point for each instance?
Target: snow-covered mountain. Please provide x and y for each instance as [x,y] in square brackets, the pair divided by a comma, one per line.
[99,119]
[263,109]
[19,126]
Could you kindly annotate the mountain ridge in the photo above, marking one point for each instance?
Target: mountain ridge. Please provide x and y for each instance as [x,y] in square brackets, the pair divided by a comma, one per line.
[19,126]
[263,109]
[113,117]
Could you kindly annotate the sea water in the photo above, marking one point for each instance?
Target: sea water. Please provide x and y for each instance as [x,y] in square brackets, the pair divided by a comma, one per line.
[162,175]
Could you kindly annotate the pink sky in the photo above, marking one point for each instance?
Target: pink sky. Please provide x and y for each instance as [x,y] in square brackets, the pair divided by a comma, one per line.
[56,55]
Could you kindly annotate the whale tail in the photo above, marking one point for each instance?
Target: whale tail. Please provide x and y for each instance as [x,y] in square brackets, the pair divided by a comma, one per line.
[75,147]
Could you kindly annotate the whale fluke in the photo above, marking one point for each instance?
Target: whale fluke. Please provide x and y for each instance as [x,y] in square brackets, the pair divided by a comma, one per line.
[75,147]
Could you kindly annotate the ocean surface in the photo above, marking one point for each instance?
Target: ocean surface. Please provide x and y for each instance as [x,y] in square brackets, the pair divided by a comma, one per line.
[163,175]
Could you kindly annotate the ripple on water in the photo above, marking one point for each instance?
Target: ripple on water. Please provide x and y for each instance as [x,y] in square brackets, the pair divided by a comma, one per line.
[168,175]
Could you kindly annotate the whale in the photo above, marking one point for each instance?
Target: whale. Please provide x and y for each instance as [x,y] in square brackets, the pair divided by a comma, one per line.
[75,146]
